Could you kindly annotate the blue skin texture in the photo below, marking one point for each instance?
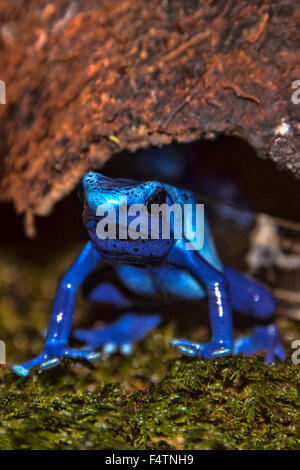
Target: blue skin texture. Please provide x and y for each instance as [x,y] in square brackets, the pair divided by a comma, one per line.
[156,269]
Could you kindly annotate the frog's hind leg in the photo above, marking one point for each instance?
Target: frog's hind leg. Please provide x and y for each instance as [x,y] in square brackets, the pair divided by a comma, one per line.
[248,296]
[124,332]
[120,335]
[252,298]
[265,339]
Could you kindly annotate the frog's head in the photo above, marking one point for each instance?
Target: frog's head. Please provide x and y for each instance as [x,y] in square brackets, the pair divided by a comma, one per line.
[133,233]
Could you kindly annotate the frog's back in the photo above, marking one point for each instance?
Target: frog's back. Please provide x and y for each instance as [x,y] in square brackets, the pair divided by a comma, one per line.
[208,251]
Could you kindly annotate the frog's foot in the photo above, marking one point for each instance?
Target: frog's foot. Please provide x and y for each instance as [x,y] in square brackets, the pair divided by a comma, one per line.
[264,338]
[210,350]
[120,335]
[48,359]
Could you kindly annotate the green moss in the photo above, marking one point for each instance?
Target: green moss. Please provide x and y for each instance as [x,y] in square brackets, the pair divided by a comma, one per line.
[150,400]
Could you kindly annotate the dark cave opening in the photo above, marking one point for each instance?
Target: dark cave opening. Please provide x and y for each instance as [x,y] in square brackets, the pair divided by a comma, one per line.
[205,165]
[209,167]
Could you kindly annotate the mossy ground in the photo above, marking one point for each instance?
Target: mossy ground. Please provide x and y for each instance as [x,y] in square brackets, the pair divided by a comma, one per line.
[150,400]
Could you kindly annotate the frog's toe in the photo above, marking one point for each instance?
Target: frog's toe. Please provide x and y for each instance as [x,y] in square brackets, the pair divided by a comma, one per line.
[126,348]
[111,348]
[24,369]
[210,350]
[270,358]
[50,363]
[21,370]
[85,354]
[278,352]
[188,348]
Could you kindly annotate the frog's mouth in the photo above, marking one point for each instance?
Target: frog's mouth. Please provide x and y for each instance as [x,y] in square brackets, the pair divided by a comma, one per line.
[89,219]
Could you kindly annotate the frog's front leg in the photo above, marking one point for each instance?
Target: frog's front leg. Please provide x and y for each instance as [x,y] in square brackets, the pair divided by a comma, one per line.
[220,312]
[56,346]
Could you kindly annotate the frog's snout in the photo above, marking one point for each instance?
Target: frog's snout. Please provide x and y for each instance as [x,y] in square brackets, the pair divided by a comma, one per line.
[89,181]
[92,180]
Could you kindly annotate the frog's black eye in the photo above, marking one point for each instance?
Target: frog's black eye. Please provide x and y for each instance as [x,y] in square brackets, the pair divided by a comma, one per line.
[158,197]
[80,192]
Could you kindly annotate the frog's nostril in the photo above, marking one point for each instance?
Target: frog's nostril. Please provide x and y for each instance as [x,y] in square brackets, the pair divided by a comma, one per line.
[89,177]
[93,181]
[90,181]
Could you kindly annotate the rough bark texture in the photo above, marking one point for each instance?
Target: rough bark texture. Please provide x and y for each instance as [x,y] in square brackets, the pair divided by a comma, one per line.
[86,79]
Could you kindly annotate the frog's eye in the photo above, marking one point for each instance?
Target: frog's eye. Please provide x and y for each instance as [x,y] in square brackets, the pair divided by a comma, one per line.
[158,197]
[80,192]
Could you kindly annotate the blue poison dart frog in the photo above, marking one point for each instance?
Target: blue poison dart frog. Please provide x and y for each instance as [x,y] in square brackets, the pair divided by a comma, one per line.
[154,268]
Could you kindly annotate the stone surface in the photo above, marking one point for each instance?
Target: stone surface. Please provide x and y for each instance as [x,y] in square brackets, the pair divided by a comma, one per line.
[87,79]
